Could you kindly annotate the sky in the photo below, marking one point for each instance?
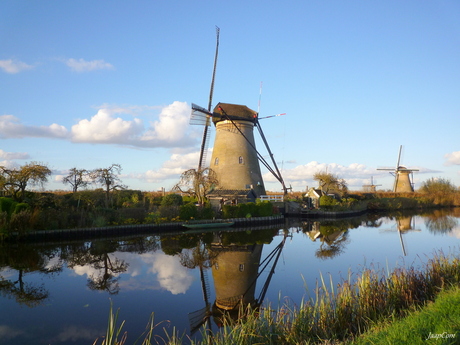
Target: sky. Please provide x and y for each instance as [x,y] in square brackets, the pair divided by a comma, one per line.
[87,84]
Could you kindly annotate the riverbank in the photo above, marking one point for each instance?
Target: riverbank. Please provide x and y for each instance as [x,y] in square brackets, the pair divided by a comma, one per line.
[135,229]
[437,322]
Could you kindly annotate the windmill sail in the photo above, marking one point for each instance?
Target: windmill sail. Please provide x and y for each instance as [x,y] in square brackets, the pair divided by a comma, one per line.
[205,140]
[402,182]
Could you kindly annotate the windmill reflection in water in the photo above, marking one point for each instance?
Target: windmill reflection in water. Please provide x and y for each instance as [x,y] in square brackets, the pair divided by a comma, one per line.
[235,270]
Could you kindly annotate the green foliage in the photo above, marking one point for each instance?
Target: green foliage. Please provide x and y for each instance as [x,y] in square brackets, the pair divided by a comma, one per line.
[172,200]
[7,205]
[264,208]
[20,221]
[136,215]
[392,203]
[188,211]
[19,207]
[438,185]
[206,212]
[169,212]
[260,209]
[327,201]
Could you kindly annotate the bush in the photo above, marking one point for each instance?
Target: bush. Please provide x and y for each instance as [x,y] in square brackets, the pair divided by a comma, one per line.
[188,211]
[169,212]
[20,207]
[7,205]
[250,209]
[172,200]
[264,209]
[20,221]
[327,202]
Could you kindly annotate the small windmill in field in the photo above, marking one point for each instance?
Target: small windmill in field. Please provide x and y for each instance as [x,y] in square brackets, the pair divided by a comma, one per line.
[403,176]
[371,187]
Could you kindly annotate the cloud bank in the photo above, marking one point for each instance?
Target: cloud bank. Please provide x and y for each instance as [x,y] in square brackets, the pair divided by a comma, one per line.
[82,65]
[11,127]
[13,67]
[114,125]
[452,158]
[13,155]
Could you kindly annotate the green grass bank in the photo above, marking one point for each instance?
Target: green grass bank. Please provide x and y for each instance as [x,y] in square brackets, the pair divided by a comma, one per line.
[435,323]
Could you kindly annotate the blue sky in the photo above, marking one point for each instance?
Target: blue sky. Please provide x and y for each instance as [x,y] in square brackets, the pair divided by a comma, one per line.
[87,84]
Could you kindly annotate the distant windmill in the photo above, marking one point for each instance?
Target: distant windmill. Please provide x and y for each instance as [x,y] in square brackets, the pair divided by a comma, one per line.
[235,158]
[403,177]
[371,187]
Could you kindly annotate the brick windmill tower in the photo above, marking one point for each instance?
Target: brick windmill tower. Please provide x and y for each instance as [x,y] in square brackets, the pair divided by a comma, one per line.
[403,177]
[235,158]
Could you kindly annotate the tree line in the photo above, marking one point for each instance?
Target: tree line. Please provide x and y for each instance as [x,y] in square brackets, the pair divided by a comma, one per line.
[14,181]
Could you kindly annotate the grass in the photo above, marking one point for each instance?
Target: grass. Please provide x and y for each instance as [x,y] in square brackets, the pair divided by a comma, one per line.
[436,323]
[339,312]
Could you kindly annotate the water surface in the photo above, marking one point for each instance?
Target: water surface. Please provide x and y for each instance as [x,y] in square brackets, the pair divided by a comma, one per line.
[60,293]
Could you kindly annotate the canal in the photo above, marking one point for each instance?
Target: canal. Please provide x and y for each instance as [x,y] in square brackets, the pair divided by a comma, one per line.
[61,292]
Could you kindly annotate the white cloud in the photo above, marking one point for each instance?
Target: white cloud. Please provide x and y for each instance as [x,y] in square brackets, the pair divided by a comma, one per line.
[171,275]
[452,158]
[82,65]
[7,332]
[170,130]
[11,127]
[108,126]
[13,155]
[172,125]
[355,174]
[171,169]
[105,128]
[13,67]
[75,333]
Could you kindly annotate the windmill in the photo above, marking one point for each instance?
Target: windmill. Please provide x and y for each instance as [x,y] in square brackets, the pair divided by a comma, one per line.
[404,224]
[403,176]
[235,270]
[371,187]
[235,159]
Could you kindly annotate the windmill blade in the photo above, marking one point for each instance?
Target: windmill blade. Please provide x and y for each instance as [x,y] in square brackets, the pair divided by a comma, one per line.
[198,318]
[266,117]
[200,116]
[399,157]
[277,174]
[204,142]
[396,181]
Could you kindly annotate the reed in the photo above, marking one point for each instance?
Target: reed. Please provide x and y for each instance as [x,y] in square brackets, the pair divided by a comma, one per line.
[343,311]
[335,312]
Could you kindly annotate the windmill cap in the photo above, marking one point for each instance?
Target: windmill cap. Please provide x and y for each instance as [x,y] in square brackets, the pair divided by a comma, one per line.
[234,111]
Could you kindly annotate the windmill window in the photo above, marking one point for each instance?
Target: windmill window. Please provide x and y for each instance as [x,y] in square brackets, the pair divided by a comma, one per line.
[240,160]
[241,267]
[216,266]
[216,161]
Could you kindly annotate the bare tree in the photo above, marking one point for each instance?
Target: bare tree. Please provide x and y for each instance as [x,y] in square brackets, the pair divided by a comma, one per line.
[329,182]
[108,178]
[15,181]
[77,178]
[197,183]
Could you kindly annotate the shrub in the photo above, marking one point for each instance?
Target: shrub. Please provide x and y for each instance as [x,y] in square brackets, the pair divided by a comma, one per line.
[172,200]
[169,212]
[206,212]
[20,207]
[188,211]
[20,221]
[264,209]
[327,201]
[7,205]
